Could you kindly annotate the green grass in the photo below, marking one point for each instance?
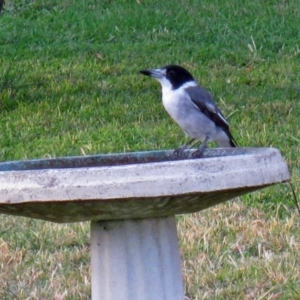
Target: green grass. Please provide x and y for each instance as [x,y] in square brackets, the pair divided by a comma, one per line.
[69,85]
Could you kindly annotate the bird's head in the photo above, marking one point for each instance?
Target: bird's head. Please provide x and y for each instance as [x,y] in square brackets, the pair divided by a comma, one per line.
[170,76]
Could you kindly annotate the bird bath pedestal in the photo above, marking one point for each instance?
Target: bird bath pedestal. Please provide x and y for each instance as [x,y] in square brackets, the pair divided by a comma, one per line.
[131,200]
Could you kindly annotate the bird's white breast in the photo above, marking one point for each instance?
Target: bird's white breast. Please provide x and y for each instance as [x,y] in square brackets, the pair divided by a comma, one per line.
[175,100]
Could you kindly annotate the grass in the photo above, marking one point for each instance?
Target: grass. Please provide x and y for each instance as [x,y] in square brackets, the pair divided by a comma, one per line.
[69,85]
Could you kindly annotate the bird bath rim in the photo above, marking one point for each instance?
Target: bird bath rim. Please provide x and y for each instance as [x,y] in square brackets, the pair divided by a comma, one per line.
[119,159]
[153,185]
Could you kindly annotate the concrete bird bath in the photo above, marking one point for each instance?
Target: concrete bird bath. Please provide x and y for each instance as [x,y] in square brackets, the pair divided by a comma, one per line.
[131,200]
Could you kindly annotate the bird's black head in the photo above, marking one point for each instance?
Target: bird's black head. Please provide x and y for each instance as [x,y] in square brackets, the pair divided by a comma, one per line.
[177,75]
[172,75]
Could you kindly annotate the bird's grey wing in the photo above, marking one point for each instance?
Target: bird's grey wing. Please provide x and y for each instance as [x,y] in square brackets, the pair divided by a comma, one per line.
[205,103]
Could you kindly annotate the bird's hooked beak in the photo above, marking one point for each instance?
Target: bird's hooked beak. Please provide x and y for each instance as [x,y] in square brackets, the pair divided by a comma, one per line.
[156,73]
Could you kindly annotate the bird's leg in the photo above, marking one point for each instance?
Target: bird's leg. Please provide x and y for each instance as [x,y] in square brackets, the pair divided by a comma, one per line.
[201,148]
[179,151]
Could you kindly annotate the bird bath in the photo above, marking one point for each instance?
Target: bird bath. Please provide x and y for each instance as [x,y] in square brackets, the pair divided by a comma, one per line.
[131,200]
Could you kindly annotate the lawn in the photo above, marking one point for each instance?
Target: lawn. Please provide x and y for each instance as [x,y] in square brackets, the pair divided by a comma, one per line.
[69,85]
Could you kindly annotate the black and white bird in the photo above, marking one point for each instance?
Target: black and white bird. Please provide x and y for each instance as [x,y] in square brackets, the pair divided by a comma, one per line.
[192,108]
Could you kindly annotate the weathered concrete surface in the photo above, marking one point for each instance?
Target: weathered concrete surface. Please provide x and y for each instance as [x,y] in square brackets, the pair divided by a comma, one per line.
[136,259]
[138,190]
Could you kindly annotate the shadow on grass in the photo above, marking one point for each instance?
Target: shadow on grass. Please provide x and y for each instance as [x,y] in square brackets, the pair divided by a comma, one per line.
[13,89]
[16,86]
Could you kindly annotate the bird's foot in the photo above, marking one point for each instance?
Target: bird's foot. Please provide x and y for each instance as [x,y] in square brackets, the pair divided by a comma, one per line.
[198,153]
[179,151]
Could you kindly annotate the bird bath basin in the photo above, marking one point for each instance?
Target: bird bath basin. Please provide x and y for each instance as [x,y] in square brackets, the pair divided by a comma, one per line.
[131,200]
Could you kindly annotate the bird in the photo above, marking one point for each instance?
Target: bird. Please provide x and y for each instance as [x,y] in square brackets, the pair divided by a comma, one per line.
[192,107]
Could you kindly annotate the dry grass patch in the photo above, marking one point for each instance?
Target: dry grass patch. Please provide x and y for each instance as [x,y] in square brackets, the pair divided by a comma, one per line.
[231,251]
[237,252]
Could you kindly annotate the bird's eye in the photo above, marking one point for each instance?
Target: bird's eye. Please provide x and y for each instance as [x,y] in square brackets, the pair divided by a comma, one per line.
[171,73]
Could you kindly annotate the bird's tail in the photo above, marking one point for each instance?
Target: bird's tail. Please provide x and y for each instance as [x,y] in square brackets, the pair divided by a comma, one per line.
[232,141]
[226,140]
